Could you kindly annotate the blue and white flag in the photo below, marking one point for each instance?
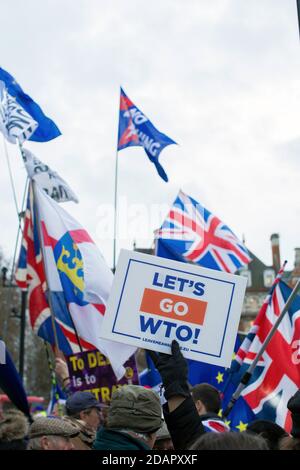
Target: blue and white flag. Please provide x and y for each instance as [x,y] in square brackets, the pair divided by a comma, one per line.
[46,129]
[15,123]
[135,129]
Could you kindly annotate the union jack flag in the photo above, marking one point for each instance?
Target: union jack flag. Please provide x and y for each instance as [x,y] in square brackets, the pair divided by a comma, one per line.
[192,234]
[30,274]
[277,375]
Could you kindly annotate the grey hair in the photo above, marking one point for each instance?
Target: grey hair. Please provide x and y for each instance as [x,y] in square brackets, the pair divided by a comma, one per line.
[35,442]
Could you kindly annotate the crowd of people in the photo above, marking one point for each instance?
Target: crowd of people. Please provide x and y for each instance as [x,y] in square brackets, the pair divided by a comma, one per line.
[135,419]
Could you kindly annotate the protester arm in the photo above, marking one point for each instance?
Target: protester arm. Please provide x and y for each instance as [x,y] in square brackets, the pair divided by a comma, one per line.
[62,373]
[180,412]
[183,423]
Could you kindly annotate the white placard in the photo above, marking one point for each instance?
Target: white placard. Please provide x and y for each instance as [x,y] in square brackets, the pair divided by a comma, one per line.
[155,300]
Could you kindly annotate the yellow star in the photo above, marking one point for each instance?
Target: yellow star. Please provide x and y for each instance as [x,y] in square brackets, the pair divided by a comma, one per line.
[227,422]
[233,356]
[220,377]
[220,413]
[242,426]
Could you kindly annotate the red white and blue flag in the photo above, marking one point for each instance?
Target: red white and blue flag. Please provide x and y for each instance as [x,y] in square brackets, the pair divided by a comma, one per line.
[135,129]
[76,282]
[30,275]
[192,234]
[277,375]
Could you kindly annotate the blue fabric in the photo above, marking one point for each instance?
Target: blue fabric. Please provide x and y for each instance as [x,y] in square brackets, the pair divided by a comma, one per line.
[47,129]
[12,386]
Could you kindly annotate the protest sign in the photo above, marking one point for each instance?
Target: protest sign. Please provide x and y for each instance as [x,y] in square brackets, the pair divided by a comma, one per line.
[155,300]
[91,371]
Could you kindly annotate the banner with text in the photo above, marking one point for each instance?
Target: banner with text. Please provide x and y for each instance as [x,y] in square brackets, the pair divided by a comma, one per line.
[91,371]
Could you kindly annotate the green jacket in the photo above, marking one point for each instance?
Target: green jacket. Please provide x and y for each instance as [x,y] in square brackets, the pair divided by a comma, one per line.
[111,439]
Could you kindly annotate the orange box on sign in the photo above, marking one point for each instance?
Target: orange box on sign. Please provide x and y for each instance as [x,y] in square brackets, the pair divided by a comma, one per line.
[173,306]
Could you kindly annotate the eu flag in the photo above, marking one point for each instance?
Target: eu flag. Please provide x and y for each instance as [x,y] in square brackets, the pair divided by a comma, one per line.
[135,129]
[47,129]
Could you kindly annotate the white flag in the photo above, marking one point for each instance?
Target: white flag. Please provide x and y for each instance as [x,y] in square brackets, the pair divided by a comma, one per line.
[15,122]
[78,279]
[46,179]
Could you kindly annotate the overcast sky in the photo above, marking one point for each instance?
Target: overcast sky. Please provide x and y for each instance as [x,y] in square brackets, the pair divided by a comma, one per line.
[220,77]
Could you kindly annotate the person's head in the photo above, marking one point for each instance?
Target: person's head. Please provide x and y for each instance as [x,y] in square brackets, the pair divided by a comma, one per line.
[137,410]
[13,430]
[270,431]
[163,439]
[229,441]
[206,398]
[84,406]
[289,443]
[51,434]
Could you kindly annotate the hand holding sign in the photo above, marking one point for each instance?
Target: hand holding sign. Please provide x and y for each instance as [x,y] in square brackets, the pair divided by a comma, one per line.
[173,371]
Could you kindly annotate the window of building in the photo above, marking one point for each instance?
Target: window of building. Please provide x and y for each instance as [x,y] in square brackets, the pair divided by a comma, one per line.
[246,273]
[269,276]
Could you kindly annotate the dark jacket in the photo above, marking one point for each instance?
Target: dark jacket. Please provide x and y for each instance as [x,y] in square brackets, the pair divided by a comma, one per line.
[184,424]
[112,439]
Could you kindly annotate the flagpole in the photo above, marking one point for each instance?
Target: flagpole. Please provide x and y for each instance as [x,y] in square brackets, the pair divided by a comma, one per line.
[11,177]
[19,230]
[36,209]
[115,211]
[248,374]
[53,379]
[298,12]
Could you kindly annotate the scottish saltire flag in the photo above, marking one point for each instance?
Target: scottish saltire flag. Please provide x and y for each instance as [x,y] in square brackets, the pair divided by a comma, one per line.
[15,123]
[47,179]
[192,234]
[135,129]
[11,384]
[30,275]
[277,375]
[47,129]
[78,278]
